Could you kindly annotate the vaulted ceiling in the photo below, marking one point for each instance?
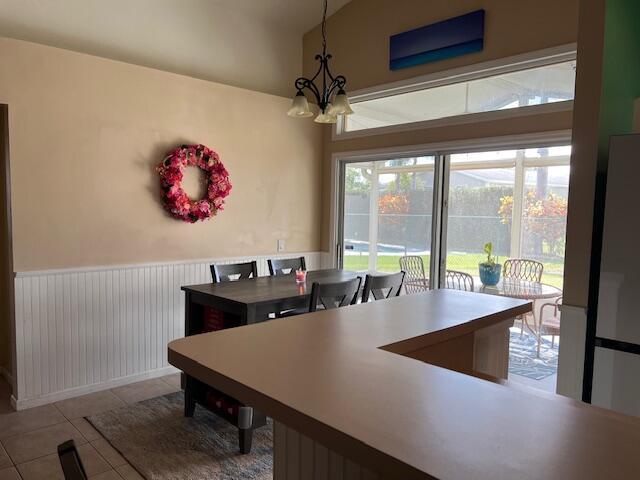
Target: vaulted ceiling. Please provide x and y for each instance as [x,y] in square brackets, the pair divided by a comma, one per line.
[254,44]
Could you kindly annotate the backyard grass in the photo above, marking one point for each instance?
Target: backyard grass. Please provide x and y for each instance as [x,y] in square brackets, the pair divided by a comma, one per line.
[464,262]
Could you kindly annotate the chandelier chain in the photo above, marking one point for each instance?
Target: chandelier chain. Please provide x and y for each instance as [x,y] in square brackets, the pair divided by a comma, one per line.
[324,28]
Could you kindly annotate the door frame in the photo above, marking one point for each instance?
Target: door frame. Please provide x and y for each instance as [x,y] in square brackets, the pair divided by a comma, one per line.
[338,164]
[10,375]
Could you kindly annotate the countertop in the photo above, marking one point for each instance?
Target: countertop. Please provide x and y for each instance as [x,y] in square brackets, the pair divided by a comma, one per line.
[339,377]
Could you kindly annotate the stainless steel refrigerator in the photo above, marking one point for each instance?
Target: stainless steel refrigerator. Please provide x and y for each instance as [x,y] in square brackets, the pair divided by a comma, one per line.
[612,354]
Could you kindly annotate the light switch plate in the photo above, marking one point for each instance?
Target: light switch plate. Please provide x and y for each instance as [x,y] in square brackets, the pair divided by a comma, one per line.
[280,246]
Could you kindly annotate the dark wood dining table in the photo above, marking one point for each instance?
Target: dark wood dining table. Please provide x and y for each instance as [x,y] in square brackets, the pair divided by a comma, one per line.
[253,299]
[248,301]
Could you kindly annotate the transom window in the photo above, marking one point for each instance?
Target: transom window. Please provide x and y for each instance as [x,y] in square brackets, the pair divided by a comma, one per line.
[524,86]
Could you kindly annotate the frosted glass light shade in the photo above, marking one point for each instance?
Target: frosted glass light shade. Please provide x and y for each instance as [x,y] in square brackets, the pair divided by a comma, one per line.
[341,104]
[300,107]
[326,116]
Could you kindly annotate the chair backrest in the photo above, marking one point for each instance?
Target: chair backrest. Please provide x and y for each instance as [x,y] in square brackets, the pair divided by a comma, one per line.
[382,286]
[522,269]
[334,295]
[285,266]
[234,271]
[459,281]
[415,280]
[70,462]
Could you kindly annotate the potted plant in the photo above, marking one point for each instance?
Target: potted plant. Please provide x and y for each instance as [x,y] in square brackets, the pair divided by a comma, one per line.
[489,270]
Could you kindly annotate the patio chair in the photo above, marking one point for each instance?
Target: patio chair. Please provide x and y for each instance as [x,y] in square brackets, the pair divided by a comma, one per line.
[459,281]
[415,280]
[522,269]
[551,324]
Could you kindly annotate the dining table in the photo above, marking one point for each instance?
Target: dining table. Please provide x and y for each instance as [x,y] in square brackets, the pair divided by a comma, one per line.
[516,288]
[525,290]
[238,303]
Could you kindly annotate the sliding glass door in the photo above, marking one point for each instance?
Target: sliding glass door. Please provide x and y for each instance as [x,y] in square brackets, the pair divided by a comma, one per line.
[516,199]
[387,212]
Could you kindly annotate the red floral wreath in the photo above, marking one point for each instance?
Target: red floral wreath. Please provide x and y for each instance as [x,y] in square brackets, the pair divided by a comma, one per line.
[175,199]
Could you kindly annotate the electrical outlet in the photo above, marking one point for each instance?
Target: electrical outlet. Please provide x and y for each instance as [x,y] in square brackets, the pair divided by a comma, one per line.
[280,246]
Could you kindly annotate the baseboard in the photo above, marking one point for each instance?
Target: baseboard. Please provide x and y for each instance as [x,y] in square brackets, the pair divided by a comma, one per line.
[23,404]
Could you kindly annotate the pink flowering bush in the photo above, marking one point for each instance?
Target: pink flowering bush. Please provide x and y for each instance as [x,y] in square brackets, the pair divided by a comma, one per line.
[175,199]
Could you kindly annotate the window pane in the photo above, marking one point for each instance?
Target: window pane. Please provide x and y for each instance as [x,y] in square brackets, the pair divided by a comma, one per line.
[544,219]
[506,156]
[476,216]
[534,86]
[404,162]
[405,206]
[357,197]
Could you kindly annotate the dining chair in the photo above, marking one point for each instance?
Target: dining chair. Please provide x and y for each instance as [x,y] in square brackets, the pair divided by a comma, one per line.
[459,281]
[523,269]
[233,271]
[334,295]
[285,266]
[70,462]
[214,319]
[382,286]
[415,280]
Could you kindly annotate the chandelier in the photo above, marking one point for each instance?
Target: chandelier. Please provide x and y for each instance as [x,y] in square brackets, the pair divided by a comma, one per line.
[331,99]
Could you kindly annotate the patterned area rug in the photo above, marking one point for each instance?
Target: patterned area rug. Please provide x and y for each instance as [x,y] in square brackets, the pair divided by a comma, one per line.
[159,442]
[523,360]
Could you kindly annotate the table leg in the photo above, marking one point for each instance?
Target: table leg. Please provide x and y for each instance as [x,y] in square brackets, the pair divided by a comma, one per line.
[535,330]
[189,397]
[245,437]
[245,420]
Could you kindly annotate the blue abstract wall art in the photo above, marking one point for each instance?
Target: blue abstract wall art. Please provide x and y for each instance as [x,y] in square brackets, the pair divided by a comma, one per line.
[439,41]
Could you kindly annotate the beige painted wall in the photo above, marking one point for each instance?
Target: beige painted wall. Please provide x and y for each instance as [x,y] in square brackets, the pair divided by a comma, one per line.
[358,34]
[358,38]
[87,132]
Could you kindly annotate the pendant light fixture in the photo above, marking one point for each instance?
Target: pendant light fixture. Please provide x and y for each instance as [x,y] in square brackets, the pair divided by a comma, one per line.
[331,98]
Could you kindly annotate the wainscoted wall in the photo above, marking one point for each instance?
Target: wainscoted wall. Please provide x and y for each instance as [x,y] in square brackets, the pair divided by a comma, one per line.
[88,329]
[296,456]
[573,330]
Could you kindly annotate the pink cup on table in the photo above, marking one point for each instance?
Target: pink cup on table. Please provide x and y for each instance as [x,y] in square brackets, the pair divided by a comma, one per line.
[301,276]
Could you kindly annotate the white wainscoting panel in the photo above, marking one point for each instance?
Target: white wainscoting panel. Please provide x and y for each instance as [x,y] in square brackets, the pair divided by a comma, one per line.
[573,331]
[298,457]
[88,329]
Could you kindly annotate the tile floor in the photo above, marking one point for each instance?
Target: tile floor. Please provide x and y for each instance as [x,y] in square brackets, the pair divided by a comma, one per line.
[29,438]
